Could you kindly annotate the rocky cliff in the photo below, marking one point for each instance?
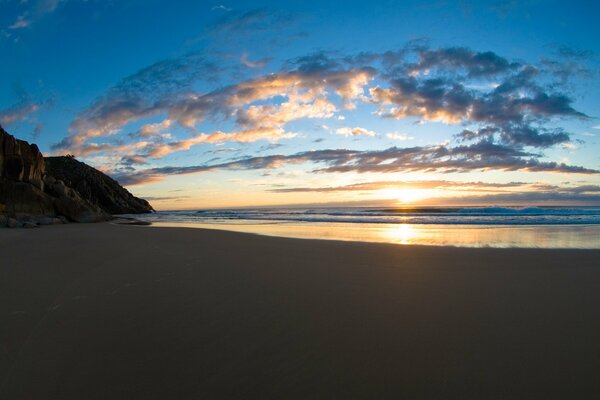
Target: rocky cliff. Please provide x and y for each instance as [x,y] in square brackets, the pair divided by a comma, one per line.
[55,189]
[95,187]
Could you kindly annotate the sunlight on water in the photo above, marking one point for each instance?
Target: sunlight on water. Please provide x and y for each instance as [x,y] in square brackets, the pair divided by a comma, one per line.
[537,236]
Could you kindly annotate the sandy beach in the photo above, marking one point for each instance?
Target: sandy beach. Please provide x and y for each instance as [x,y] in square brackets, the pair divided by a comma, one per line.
[103,311]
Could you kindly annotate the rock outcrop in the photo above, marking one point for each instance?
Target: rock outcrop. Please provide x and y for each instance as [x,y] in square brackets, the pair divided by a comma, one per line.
[20,161]
[56,189]
[95,187]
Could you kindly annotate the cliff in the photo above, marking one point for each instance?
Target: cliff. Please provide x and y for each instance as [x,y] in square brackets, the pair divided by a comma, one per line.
[95,187]
[34,189]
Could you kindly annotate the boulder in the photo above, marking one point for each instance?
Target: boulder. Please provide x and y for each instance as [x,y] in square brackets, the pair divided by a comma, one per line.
[21,198]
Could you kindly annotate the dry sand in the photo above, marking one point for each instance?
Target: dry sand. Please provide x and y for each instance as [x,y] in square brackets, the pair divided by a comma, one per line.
[127,312]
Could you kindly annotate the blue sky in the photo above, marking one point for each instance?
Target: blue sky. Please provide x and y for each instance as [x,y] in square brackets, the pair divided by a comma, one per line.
[207,104]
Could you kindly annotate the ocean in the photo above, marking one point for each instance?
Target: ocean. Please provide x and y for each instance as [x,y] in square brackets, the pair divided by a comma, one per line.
[540,227]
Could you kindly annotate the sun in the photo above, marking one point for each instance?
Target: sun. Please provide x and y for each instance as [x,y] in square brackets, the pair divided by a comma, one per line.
[405,195]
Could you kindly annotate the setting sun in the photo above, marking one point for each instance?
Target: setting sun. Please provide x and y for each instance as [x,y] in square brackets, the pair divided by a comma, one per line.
[406,195]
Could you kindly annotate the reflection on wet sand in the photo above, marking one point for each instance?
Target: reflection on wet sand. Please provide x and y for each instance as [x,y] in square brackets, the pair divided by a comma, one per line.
[539,236]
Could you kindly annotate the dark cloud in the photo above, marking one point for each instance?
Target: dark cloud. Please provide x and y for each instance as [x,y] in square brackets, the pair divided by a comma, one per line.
[505,7]
[558,196]
[473,64]
[269,147]
[260,19]
[514,109]
[570,52]
[565,71]
[132,160]
[519,135]
[25,111]
[482,155]
[165,198]
[167,76]
[317,61]
[137,96]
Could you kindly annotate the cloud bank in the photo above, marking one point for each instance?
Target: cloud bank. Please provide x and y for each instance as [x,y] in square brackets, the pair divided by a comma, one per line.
[506,112]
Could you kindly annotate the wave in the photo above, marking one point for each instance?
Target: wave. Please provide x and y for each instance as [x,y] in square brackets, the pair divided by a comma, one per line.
[421,215]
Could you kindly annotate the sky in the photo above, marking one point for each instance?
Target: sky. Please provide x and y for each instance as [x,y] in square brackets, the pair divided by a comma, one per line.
[200,104]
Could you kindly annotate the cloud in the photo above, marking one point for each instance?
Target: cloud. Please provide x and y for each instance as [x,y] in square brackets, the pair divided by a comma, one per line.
[503,110]
[380,185]
[220,7]
[304,92]
[520,135]
[18,111]
[253,64]
[260,19]
[20,23]
[398,136]
[514,110]
[582,195]
[152,130]
[482,155]
[32,11]
[461,59]
[357,131]
[137,96]
[569,52]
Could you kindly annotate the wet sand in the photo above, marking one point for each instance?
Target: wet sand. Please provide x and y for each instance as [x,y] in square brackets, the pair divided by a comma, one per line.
[106,311]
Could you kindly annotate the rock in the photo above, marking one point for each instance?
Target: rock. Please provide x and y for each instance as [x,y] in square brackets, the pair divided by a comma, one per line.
[20,161]
[48,221]
[20,198]
[130,221]
[95,187]
[77,210]
[56,189]
[33,164]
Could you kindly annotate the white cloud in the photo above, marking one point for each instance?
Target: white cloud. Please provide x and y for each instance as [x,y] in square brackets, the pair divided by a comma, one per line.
[220,7]
[398,136]
[356,131]
[569,146]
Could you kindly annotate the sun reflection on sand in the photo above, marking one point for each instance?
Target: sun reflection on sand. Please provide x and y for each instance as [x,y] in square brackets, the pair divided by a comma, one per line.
[401,234]
[560,236]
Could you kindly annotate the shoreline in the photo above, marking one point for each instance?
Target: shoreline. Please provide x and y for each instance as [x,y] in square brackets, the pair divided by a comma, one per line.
[117,311]
[564,236]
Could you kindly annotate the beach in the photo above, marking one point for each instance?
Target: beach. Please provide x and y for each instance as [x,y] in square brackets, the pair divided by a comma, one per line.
[106,311]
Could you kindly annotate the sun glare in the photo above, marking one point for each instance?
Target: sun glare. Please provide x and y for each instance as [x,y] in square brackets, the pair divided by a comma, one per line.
[405,195]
